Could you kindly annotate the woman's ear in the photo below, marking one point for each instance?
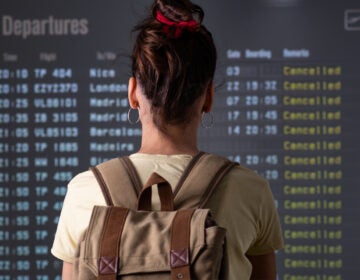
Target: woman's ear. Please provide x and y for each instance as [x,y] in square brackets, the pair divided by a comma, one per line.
[209,98]
[132,88]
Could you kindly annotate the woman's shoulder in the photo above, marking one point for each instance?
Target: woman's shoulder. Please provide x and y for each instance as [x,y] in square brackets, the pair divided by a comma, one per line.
[82,177]
[247,177]
[245,185]
[83,181]
[239,175]
[84,189]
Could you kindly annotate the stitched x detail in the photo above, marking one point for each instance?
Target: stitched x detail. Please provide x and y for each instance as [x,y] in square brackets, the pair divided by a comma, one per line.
[179,258]
[107,265]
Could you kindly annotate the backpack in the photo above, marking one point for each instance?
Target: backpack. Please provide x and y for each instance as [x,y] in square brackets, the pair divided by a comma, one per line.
[127,240]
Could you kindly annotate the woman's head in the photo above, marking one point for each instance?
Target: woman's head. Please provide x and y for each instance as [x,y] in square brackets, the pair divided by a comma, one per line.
[173,60]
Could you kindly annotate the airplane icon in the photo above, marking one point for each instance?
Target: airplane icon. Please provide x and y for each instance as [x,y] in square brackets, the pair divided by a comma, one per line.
[352,20]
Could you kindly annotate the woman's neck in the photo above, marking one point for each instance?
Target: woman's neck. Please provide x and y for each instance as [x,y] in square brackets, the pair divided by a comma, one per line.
[176,140]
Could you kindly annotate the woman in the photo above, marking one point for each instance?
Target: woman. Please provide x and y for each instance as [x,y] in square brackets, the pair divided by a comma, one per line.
[173,65]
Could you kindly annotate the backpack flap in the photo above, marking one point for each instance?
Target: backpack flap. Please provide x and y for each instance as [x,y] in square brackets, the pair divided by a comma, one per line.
[145,241]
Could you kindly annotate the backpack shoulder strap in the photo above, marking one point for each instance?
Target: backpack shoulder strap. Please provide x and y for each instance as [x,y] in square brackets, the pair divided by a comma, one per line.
[118,181]
[199,181]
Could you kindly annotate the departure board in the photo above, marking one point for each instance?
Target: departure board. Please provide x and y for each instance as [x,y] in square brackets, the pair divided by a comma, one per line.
[287,105]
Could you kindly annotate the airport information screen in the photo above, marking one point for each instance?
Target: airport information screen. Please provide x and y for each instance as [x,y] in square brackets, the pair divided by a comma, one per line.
[287,105]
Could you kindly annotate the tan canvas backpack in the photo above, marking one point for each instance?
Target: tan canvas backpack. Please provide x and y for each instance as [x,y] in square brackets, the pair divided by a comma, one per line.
[127,240]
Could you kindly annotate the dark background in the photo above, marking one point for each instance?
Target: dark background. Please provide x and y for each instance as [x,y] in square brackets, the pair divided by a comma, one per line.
[31,193]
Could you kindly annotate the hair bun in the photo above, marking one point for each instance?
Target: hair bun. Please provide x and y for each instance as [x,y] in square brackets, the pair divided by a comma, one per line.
[175,29]
[177,16]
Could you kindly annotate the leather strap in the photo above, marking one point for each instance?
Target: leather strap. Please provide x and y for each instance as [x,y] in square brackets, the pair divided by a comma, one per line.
[215,182]
[110,242]
[180,245]
[119,182]
[165,193]
[200,180]
[133,174]
[103,186]
[187,170]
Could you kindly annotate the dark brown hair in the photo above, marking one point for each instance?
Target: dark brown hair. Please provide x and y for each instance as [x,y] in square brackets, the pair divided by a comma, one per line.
[173,71]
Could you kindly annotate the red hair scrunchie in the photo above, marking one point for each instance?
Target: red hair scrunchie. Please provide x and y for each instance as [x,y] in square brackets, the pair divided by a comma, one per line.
[191,25]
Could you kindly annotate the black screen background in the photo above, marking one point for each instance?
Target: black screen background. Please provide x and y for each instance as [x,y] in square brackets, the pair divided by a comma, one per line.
[249,121]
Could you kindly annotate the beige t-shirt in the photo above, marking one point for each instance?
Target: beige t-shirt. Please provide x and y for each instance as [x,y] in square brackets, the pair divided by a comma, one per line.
[243,204]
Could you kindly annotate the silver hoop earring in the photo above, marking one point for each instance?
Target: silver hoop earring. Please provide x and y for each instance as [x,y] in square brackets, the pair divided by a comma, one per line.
[207,120]
[131,116]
